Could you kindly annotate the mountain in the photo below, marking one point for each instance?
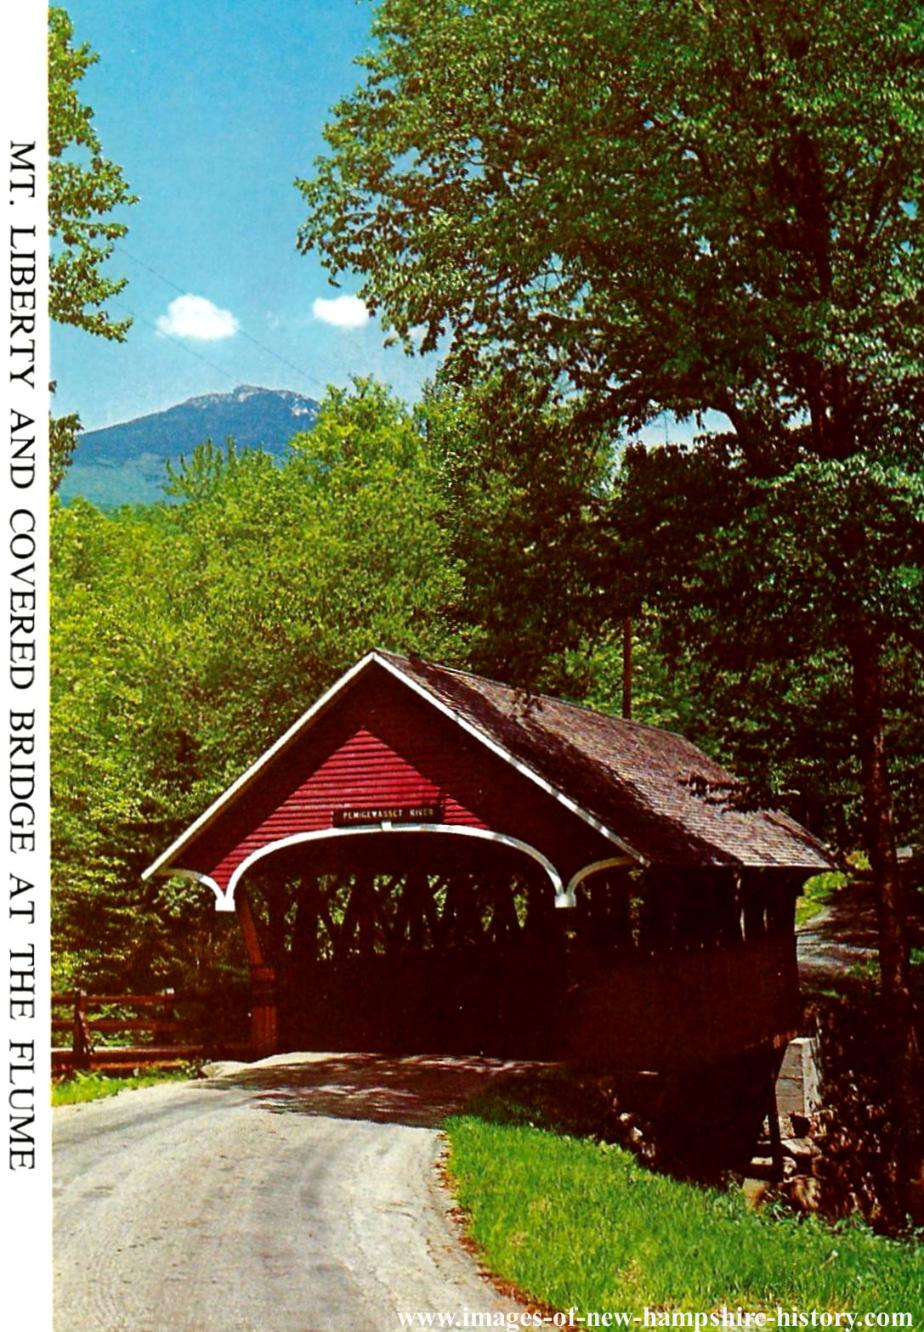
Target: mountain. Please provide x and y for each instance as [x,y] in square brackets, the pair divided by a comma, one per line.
[125,464]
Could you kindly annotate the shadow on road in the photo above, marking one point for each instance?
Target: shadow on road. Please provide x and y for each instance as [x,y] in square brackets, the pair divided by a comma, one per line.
[418,1090]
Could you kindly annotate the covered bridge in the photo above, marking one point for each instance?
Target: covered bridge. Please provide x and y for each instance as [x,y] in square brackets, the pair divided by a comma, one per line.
[396,857]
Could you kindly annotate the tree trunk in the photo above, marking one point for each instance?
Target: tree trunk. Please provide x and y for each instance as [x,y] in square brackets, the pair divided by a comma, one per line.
[627,668]
[907,1075]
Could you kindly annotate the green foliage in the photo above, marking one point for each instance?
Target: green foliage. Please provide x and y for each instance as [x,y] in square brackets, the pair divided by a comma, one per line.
[84,188]
[520,494]
[187,637]
[817,892]
[615,210]
[62,440]
[662,693]
[301,569]
[666,205]
[764,583]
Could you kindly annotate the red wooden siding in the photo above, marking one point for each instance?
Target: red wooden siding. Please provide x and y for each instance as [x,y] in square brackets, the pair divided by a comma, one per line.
[380,744]
[365,772]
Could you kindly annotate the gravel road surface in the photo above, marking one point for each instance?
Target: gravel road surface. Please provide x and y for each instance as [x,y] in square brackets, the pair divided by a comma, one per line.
[298,1193]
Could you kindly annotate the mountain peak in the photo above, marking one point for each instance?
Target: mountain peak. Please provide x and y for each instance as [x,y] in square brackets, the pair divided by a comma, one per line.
[239,394]
[125,463]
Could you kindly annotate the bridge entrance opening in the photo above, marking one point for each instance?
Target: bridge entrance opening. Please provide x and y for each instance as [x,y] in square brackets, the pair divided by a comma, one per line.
[408,943]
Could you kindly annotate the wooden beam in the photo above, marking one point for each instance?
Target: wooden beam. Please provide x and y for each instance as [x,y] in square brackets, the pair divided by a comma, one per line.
[248,925]
[627,668]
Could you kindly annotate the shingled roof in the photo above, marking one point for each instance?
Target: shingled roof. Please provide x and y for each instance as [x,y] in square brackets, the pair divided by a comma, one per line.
[650,791]
[665,798]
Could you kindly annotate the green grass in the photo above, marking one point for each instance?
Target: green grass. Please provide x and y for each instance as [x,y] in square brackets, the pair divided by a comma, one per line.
[92,1086]
[817,893]
[572,1221]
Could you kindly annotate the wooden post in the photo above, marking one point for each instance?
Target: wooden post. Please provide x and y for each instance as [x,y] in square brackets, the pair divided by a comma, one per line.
[264,1035]
[627,668]
[773,1124]
[248,928]
[80,1041]
[169,1007]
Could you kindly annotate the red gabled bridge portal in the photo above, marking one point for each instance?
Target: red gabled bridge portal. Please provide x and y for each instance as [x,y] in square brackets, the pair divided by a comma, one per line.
[396,858]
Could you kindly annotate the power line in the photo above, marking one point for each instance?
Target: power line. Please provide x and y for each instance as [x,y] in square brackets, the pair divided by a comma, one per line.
[222,370]
[249,336]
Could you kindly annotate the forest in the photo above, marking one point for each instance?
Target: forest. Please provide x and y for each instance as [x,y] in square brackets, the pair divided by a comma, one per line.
[603,216]
[188,635]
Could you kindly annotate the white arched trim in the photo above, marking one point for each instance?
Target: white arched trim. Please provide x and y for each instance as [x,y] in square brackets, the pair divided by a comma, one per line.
[327,700]
[223,901]
[614,862]
[455,830]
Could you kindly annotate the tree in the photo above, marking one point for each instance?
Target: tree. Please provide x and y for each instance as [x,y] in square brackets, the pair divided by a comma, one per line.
[84,189]
[669,205]
[533,555]
[695,208]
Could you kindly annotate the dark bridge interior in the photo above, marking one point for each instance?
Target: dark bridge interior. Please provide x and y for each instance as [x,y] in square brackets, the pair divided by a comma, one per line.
[404,944]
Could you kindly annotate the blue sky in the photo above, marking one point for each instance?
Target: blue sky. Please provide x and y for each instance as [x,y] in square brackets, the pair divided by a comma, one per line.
[212,108]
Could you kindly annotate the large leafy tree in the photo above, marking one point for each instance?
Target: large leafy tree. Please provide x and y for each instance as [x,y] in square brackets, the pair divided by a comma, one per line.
[683,205]
[696,208]
[533,555]
[84,190]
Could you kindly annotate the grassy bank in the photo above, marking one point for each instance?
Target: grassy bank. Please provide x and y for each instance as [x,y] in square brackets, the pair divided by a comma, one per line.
[92,1086]
[575,1222]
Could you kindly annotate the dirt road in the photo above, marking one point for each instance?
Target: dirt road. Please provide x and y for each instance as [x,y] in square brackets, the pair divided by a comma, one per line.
[294,1195]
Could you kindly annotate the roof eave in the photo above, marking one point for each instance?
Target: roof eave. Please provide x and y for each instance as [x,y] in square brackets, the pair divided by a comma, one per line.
[163,862]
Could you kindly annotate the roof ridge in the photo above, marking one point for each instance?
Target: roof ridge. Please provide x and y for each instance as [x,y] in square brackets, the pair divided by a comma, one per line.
[542,694]
[449,670]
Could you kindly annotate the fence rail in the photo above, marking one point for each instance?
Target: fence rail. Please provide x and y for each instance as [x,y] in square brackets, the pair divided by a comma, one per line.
[164,1027]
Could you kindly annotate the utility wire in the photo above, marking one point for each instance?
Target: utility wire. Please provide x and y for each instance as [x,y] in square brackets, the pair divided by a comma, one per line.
[222,370]
[249,336]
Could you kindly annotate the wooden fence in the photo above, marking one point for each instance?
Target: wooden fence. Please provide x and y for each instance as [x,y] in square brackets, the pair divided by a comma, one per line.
[158,1018]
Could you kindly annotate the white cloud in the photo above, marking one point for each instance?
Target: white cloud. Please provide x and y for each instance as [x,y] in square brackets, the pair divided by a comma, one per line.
[196,317]
[342,311]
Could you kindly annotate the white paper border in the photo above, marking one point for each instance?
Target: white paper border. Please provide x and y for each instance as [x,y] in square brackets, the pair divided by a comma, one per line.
[25,1267]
